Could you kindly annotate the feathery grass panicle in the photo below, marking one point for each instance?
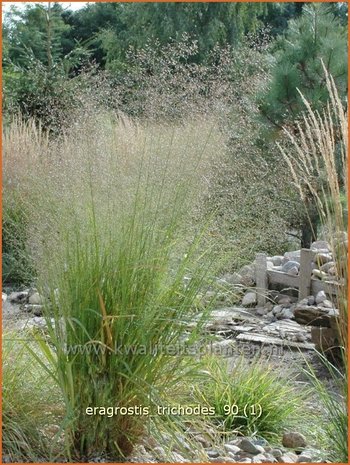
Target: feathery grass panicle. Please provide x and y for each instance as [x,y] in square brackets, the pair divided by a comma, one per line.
[319,164]
[112,241]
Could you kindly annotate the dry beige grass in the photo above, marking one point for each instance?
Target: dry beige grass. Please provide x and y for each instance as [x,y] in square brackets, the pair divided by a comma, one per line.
[109,159]
[319,165]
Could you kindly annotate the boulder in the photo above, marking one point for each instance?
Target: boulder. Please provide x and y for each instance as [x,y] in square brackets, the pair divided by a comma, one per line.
[304,458]
[293,271]
[232,449]
[277,260]
[247,273]
[248,446]
[324,338]
[291,265]
[277,309]
[320,297]
[311,315]
[286,314]
[319,274]
[18,297]
[249,299]
[293,440]
[326,304]
[320,246]
[36,299]
[323,258]
[232,278]
[288,457]
[292,256]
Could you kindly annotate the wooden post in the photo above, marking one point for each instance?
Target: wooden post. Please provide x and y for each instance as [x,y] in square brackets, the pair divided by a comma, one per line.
[306,257]
[261,278]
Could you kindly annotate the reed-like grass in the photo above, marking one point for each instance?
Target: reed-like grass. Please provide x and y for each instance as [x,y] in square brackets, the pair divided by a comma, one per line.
[319,165]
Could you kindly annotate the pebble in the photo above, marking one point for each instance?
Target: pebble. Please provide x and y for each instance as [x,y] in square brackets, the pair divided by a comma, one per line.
[4,297]
[35,299]
[293,440]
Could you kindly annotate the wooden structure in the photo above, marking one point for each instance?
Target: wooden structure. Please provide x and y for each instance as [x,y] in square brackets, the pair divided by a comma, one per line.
[304,283]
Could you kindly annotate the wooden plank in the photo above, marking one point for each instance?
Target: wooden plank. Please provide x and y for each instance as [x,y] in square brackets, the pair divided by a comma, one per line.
[279,277]
[261,278]
[263,339]
[306,257]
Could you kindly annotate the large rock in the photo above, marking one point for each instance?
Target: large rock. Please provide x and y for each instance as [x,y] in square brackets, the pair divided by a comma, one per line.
[18,297]
[293,440]
[288,457]
[286,314]
[36,299]
[322,258]
[231,448]
[248,446]
[320,246]
[291,265]
[292,256]
[319,274]
[314,316]
[232,278]
[321,297]
[324,338]
[277,260]
[247,273]
[327,266]
[249,299]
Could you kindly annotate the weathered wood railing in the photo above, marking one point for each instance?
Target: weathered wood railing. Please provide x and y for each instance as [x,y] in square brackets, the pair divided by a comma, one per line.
[304,282]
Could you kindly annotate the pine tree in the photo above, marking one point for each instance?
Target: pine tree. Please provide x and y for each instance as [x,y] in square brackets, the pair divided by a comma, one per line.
[317,34]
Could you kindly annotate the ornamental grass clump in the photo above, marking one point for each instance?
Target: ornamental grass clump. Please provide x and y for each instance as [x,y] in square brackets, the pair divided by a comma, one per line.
[121,279]
[251,399]
[31,403]
[318,162]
